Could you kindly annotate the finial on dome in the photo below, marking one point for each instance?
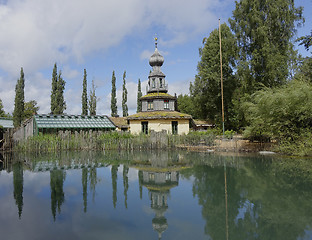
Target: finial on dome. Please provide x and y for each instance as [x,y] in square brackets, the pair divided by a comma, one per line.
[156,41]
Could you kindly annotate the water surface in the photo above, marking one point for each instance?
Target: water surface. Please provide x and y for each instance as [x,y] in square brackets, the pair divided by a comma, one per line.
[154,195]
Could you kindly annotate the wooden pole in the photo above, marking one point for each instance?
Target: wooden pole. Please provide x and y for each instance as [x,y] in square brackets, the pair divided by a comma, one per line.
[221,79]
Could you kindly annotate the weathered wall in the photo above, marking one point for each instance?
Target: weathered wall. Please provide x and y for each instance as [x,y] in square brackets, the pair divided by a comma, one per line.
[159,125]
[25,131]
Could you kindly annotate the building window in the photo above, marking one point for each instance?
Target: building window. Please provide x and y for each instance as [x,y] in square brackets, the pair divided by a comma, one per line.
[174,127]
[153,83]
[160,82]
[166,104]
[150,105]
[144,127]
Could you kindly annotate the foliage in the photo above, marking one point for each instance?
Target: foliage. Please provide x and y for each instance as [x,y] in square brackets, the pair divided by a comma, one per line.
[139,103]
[114,112]
[18,113]
[124,96]
[84,96]
[304,71]
[92,100]
[283,113]
[30,109]
[2,112]
[186,105]
[264,30]
[306,41]
[58,104]
[205,92]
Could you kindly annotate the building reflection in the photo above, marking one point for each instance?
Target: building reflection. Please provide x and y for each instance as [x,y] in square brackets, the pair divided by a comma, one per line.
[159,175]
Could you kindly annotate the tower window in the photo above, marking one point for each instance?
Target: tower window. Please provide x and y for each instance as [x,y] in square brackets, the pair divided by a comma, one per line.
[153,83]
[160,82]
[166,104]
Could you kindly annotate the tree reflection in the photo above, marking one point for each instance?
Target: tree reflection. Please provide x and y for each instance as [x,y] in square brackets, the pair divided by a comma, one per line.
[84,179]
[18,181]
[57,178]
[125,183]
[114,171]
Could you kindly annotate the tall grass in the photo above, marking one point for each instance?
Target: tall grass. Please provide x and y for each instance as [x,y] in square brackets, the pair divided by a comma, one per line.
[93,140]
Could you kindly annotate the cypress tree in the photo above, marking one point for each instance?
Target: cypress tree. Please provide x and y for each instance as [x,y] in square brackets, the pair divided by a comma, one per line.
[84,97]
[92,100]
[2,112]
[18,113]
[54,90]
[139,103]
[61,104]
[113,97]
[124,96]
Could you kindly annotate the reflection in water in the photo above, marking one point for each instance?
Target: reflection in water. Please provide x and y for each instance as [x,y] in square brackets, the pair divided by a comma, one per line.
[158,177]
[238,197]
[18,181]
[57,178]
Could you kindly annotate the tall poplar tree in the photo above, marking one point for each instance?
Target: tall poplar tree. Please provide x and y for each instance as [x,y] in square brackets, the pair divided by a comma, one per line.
[2,112]
[84,97]
[58,104]
[113,97]
[92,100]
[54,89]
[264,31]
[124,96]
[139,103]
[18,113]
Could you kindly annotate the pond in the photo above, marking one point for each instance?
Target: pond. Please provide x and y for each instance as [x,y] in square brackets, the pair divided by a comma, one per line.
[154,195]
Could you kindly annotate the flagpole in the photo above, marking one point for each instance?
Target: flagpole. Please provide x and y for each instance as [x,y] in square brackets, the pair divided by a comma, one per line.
[221,80]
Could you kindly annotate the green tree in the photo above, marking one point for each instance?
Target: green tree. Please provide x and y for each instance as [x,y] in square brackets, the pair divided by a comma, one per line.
[114,112]
[84,97]
[264,30]
[304,71]
[18,113]
[92,100]
[58,104]
[186,105]
[2,112]
[139,103]
[54,89]
[18,182]
[30,109]
[306,41]
[114,173]
[124,96]
[205,92]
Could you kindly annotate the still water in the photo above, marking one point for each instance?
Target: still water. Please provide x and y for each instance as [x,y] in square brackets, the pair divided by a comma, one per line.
[154,195]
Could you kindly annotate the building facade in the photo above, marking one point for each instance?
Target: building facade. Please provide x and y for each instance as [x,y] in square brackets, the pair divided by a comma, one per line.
[158,107]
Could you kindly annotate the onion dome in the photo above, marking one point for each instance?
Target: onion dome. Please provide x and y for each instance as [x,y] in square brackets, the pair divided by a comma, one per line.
[156,59]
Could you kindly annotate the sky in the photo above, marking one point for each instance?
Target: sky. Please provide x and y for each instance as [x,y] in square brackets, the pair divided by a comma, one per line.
[103,36]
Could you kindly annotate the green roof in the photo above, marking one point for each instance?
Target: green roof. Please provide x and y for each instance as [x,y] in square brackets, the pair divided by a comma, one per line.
[73,121]
[157,95]
[159,115]
[6,123]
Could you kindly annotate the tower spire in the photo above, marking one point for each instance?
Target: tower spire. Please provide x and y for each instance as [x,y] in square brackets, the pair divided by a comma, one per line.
[156,39]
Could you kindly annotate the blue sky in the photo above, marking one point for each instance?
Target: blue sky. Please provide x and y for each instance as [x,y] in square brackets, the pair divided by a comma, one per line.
[103,36]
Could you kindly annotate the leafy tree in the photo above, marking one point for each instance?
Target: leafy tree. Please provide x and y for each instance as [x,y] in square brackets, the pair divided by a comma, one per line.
[2,112]
[139,103]
[186,105]
[58,104]
[205,92]
[30,109]
[84,97]
[304,71]
[18,113]
[113,97]
[124,97]
[306,41]
[92,100]
[264,30]
[283,113]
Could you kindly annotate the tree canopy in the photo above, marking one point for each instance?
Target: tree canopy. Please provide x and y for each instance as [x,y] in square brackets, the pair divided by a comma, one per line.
[114,112]
[84,96]
[18,113]
[124,96]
